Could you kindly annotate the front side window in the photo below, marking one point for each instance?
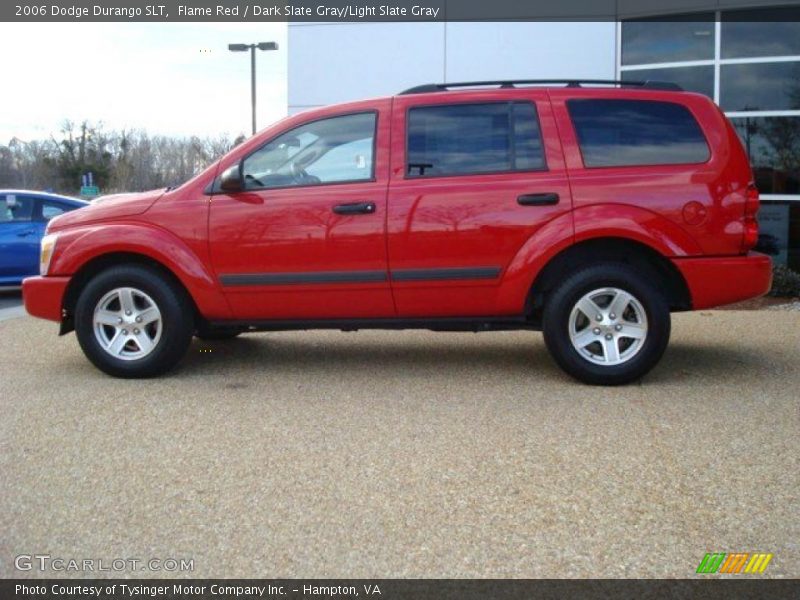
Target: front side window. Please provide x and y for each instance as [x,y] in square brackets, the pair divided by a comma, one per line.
[335,150]
[15,209]
[614,133]
[468,139]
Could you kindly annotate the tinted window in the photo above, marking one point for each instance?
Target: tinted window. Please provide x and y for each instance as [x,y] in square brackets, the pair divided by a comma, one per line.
[761,32]
[325,151]
[462,139]
[15,208]
[682,37]
[764,86]
[691,79]
[635,132]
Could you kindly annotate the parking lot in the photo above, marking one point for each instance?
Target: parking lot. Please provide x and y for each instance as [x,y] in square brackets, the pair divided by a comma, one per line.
[328,454]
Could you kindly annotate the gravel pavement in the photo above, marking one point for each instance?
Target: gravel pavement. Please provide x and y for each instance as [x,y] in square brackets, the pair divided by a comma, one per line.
[410,454]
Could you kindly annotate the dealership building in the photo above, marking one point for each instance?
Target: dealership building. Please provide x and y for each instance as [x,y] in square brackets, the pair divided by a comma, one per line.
[743,54]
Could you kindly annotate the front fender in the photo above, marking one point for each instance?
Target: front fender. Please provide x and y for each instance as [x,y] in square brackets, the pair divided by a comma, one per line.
[75,248]
[587,223]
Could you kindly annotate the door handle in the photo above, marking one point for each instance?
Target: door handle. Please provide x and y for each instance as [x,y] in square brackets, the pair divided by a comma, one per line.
[26,233]
[538,199]
[355,208]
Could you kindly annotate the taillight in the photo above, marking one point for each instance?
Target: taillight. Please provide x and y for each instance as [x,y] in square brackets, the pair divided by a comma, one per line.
[751,206]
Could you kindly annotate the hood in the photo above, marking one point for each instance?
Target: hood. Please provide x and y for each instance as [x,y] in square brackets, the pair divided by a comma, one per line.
[107,208]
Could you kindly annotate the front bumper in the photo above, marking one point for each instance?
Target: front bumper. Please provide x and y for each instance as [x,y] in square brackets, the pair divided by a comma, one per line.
[44,296]
[715,281]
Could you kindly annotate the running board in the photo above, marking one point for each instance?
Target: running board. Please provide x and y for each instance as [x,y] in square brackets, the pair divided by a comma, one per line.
[474,324]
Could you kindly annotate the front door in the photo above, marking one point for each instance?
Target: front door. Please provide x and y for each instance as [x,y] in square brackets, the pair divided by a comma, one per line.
[306,237]
[472,180]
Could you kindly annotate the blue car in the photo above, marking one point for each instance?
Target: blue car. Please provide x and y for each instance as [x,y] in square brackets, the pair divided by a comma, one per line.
[23,218]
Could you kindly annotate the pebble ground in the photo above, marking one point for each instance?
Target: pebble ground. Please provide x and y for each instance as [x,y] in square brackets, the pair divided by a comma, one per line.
[405,454]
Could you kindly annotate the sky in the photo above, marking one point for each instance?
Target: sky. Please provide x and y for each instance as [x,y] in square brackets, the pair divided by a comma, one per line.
[166,78]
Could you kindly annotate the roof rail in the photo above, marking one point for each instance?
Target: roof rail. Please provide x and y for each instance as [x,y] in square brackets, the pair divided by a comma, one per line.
[513,83]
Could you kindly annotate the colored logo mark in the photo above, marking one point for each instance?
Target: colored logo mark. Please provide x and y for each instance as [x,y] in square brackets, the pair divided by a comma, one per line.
[737,562]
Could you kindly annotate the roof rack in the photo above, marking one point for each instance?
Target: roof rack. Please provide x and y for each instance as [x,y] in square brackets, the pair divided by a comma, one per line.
[513,83]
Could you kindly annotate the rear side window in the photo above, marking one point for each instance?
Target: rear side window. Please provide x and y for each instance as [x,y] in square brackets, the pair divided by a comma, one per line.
[468,139]
[616,133]
[52,209]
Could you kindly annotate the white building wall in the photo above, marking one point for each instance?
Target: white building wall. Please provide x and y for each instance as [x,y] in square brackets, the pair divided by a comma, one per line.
[337,62]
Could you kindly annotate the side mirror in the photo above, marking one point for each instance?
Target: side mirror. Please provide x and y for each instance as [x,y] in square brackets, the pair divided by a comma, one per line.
[231,179]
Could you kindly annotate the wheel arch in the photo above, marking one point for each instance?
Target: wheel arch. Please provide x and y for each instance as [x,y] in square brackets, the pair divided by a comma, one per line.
[609,249]
[102,262]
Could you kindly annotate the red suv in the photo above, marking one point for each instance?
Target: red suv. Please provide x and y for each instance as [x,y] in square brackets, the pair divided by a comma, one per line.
[586,210]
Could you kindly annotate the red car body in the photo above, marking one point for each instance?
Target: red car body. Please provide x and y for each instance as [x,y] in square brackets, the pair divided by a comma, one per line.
[696,220]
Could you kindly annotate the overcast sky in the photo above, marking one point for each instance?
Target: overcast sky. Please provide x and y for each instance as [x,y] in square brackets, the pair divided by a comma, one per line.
[165,78]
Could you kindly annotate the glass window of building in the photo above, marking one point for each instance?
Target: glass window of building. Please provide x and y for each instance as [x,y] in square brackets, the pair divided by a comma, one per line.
[761,32]
[694,79]
[668,39]
[748,61]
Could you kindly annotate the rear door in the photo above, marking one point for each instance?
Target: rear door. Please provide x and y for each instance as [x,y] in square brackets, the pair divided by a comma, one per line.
[19,238]
[474,176]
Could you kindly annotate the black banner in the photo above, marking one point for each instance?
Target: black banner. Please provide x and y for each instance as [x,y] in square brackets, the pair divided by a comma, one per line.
[392,589]
[368,10]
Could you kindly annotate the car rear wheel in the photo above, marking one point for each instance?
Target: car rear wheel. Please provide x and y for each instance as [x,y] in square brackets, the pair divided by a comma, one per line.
[606,324]
[132,321]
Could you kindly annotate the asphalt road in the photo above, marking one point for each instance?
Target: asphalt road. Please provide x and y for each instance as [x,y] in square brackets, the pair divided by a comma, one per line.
[10,298]
[372,454]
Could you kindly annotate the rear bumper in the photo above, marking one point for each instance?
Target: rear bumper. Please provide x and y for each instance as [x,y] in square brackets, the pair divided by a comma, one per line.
[722,280]
[44,296]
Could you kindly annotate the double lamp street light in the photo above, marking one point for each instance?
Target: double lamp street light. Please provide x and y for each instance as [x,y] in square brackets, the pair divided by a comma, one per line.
[253,48]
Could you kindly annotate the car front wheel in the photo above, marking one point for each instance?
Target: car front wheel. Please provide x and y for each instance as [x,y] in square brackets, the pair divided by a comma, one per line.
[606,324]
[132,321]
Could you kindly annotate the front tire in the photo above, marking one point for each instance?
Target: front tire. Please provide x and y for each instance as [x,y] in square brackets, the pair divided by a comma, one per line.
[606,324]
[133,322]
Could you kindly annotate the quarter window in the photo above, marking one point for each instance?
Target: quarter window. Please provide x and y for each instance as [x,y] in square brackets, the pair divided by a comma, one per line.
[334,150]
[468,139]
[635,132]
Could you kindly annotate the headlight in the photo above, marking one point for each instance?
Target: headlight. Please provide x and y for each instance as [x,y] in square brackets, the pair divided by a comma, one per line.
[48,245]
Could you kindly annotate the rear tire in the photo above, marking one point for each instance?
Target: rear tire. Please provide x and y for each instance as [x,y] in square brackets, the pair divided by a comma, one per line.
[133,322]
[606,324]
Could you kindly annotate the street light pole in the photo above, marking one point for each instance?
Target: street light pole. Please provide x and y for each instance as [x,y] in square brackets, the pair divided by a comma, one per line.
[253,84]
[253,48]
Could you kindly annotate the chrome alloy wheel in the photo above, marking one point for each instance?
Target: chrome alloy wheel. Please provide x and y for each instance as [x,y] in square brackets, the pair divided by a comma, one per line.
[127,323]
[608,326]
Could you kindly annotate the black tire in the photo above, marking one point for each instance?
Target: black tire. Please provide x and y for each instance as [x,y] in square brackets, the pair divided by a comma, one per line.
[556,324]
[176,323]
